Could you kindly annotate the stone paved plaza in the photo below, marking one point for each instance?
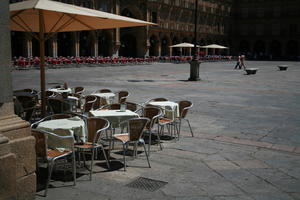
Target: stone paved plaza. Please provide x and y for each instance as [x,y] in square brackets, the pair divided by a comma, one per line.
[247,131]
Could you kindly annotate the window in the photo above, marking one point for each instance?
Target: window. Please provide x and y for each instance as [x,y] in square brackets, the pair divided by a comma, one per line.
[276,29]
[245,12]
[293,29]
[259,29]
[154,17]
[260,12]
[276,11]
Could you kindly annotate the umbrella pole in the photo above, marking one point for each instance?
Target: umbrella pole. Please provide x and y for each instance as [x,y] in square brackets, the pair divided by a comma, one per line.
[42,61]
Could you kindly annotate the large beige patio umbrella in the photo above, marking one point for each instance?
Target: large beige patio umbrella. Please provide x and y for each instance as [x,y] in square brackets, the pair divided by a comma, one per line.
[184,45]
[38,17]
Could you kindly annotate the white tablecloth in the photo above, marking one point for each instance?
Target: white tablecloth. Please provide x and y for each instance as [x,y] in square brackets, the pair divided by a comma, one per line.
[168,105]
[109,97]
[60,90]
[71,126]
[114,116]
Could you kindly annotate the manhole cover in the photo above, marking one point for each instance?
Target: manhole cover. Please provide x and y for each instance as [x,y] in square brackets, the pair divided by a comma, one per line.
[149,81]
[134,80]
[146,184]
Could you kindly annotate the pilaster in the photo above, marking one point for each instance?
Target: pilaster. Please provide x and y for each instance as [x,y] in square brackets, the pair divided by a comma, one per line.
[17,146]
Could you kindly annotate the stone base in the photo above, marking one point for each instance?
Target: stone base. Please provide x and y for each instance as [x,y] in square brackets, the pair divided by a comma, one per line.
[22,149]
[8,187]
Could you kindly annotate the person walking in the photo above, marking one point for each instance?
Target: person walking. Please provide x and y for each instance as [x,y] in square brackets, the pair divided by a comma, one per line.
[242,61]
[238,64]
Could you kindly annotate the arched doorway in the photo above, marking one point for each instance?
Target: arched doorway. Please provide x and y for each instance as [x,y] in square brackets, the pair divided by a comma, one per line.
[85,43]
[165,46]
[128,46]
[64,44]
[133,38]
[18,44]
[153,51]
[292,49]
[104,46]
[244,47]
[259,49]
[176,51]
[275,50]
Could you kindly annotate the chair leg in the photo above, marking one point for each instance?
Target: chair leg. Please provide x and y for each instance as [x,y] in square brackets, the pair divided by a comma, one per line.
[107,161]
[135,150]
[159,143]
[190,127]
[124,153]
[149,142]
[50,167]
[176,130]
[92,161]
[74,167]
[146,154]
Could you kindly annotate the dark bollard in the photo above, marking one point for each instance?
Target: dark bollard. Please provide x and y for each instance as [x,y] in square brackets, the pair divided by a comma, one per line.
[194,70]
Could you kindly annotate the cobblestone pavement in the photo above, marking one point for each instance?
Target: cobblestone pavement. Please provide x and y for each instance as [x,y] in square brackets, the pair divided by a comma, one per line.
[247,132]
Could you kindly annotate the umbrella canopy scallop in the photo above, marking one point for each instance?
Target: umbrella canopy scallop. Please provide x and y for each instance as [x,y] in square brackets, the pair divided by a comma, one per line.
[61,17]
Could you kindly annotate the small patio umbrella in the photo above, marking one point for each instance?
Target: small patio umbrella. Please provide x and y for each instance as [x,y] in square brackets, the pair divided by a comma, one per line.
[45,16]
[213,46]
[184,45]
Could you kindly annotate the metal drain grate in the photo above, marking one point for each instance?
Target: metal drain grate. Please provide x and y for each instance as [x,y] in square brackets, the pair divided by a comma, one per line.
[146,184]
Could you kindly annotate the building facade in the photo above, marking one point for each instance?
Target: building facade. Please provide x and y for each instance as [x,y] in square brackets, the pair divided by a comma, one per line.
[175,19]
[257,28]
[266,29]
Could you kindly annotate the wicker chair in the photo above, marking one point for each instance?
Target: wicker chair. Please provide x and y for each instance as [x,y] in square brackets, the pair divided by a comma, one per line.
[152,113]
[123,95]
[48,155]
[99,103]
[134,107]
[169,123]
[57,105]
[96,126]
[159,99]
[104,91]
[29,106]
[79,90]
[184,107]
[89,102]
[135,127]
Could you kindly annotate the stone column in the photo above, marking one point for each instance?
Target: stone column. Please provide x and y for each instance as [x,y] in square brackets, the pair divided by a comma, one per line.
[29,47]
[96,53]
[159,49]
[54,47]
[17,153]
[117,43]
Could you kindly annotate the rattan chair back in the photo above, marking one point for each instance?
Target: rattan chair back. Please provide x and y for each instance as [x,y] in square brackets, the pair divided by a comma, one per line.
[122,95]
[131,106]
[89,102]
[159,99]
[153,113]
[136,128]
[184,107]
[79,90]
[40,143]
[94,125]
[105,91]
